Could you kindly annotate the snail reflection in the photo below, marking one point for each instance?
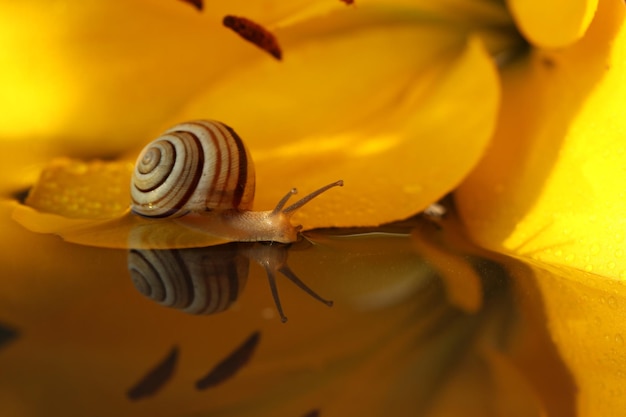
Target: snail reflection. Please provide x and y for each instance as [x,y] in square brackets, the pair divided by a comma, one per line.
[209,280]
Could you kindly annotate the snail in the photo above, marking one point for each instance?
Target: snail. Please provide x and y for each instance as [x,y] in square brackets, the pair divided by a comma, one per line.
[191,187]
[202,170]
[208,280]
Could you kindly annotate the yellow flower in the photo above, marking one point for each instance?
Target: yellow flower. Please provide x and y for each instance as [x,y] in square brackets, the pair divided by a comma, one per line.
[548,191]
[392,122]
[401,99]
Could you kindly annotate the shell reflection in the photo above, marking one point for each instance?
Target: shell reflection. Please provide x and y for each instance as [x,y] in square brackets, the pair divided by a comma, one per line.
[196,281]
[209,280]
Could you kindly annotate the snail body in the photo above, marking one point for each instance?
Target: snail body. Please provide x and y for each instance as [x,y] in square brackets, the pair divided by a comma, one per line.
[202,173]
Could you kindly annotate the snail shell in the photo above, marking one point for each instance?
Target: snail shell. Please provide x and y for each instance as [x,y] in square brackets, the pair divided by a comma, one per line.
[195,281]
[193,167]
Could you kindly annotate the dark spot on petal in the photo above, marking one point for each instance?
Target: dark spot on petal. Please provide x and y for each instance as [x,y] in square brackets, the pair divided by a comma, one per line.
[21,195]
[254,33]
[154,380]
[548,62]
[232,364]
[348,1]
[312,413]
[7,335]
[195,3]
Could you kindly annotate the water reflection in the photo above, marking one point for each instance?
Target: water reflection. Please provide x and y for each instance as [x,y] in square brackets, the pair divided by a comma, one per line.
[229,366]
[7,334]
[423,323]
[209,280]
[156,378]
[196,281]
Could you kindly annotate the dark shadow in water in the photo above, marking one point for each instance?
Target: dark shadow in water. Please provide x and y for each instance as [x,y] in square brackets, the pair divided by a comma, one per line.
[21,195]
[444,337]
[447,334]
[198,4]
[230,365]
[156,378]
[7,335]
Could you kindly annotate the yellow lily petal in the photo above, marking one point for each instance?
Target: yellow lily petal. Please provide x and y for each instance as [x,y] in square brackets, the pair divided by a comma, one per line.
[392,122]
[74,189]
[586,314]
[125,231]
[88,203]
[51,70]
[395,143]
[549,191]
[533,349]
[549,188]
[553,24]
[108,73]
[405,121]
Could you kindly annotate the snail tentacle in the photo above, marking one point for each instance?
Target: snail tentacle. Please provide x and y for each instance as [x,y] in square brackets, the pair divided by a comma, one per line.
[295,206]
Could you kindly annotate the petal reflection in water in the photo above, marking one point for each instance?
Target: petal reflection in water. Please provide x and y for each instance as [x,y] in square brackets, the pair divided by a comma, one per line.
[423,323]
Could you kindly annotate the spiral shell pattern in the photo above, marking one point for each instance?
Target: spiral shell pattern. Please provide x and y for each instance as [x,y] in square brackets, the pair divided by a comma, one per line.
[196,281]
[196,166]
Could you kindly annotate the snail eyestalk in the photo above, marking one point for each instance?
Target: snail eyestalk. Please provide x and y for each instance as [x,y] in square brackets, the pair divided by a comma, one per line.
[284,200]
[295,206]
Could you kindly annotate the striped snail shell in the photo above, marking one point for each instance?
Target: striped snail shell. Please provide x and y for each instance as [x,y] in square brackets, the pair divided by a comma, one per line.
[196,281]
[193,167]
[203,167]
[208,280]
